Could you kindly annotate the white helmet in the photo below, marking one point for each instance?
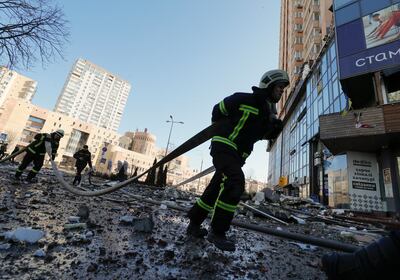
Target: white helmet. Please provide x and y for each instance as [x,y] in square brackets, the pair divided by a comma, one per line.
[272,77]
[59,132]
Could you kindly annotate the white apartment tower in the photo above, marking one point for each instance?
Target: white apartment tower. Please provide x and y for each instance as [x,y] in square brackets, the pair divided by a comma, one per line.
[14,85]
[93,95]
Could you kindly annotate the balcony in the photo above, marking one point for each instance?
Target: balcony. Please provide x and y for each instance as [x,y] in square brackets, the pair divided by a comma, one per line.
[376,127]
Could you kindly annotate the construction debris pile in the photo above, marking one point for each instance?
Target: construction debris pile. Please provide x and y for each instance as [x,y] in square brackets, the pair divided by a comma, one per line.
[138,232]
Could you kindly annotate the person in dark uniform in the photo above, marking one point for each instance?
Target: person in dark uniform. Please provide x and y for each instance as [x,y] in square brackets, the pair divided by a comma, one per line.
[3,149]
[36,152]
[248,119]
[83,157]
[16,149]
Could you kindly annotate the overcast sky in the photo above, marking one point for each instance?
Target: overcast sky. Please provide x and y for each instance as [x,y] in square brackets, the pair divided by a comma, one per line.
[180,56]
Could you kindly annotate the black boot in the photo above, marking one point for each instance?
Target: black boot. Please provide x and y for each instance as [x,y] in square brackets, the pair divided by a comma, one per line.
[195,230]
[379,259]
[220,241]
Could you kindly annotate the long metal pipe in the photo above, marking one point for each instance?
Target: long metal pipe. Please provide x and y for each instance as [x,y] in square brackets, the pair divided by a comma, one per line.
[326,243]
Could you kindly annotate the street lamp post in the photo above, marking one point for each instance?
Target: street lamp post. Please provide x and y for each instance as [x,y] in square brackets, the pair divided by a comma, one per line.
[170,131]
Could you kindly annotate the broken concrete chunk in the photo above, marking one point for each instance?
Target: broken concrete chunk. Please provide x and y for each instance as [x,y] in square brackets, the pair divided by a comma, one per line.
[259,197]
[163,206]
[298,220]
[25,235]
[39,253]
[83,212]
[4,246]
[306,247]
[143,224]
[126,219]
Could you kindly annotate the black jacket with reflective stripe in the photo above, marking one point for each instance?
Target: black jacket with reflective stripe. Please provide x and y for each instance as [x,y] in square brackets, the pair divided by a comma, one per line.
[249,119]
[38,145]
[83,157]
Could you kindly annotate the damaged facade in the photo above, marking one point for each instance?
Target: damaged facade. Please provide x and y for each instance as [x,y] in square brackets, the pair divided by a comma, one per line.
[340,141]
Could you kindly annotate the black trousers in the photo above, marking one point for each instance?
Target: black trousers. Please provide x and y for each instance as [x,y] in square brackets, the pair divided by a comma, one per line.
[222,194]
[37,165]
[78,176]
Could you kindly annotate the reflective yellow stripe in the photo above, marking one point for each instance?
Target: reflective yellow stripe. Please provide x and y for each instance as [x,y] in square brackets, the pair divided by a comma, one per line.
[239,126]
[249,109]
[222,108]
[204,205]
[40,141]
[226,207]
[31,150]
[225,141]
[220,191]
[34,171]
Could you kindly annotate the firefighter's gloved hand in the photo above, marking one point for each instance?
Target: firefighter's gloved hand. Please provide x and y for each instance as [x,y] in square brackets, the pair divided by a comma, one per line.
[275,128]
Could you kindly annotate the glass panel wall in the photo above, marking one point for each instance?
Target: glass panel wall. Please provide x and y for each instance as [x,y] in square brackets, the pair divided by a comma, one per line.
[338,186]
[323,95]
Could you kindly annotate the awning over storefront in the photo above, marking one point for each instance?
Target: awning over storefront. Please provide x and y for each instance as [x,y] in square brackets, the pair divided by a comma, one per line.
[366,130]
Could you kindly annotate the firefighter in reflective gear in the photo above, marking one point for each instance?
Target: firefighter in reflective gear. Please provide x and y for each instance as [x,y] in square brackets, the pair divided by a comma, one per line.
[83,157]
[37,151]
[250,118]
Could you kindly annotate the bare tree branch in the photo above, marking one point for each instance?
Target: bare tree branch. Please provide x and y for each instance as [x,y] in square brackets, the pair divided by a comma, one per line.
[31,30]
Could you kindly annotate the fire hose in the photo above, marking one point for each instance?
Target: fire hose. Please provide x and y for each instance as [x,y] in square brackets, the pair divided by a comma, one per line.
[16,153]
[193,142]
[190,144]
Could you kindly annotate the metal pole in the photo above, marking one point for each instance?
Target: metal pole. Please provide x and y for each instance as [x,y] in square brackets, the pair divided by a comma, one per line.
[305,238]
[170,132]
[169,136]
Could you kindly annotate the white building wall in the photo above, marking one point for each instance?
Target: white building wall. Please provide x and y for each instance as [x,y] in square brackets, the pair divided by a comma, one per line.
[94,95]
[15,85]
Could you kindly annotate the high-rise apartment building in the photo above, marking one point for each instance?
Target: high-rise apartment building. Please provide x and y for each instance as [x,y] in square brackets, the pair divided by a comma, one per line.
[303,30]
[15,85]
[94,95]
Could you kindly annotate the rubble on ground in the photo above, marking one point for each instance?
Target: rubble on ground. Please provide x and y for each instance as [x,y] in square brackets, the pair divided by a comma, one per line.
[117,237]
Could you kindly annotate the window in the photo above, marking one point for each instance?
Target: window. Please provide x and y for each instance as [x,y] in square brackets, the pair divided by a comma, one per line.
[316,48]
[316,31]
[316,16]
[298,40]
[298,14]
[298,27]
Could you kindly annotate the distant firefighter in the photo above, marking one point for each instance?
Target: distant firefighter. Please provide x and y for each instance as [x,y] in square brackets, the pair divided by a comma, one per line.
[36,152]
[16,149]
[83,157]
[3,149]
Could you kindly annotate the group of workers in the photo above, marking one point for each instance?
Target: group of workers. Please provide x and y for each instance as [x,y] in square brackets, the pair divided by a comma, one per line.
[36,151]
[247,118]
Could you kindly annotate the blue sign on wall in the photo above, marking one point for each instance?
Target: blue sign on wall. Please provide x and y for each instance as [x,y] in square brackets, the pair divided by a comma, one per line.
[369,43]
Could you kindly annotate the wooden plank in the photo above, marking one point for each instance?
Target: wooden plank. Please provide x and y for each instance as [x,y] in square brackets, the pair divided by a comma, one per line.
[391,113]
[338,126]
